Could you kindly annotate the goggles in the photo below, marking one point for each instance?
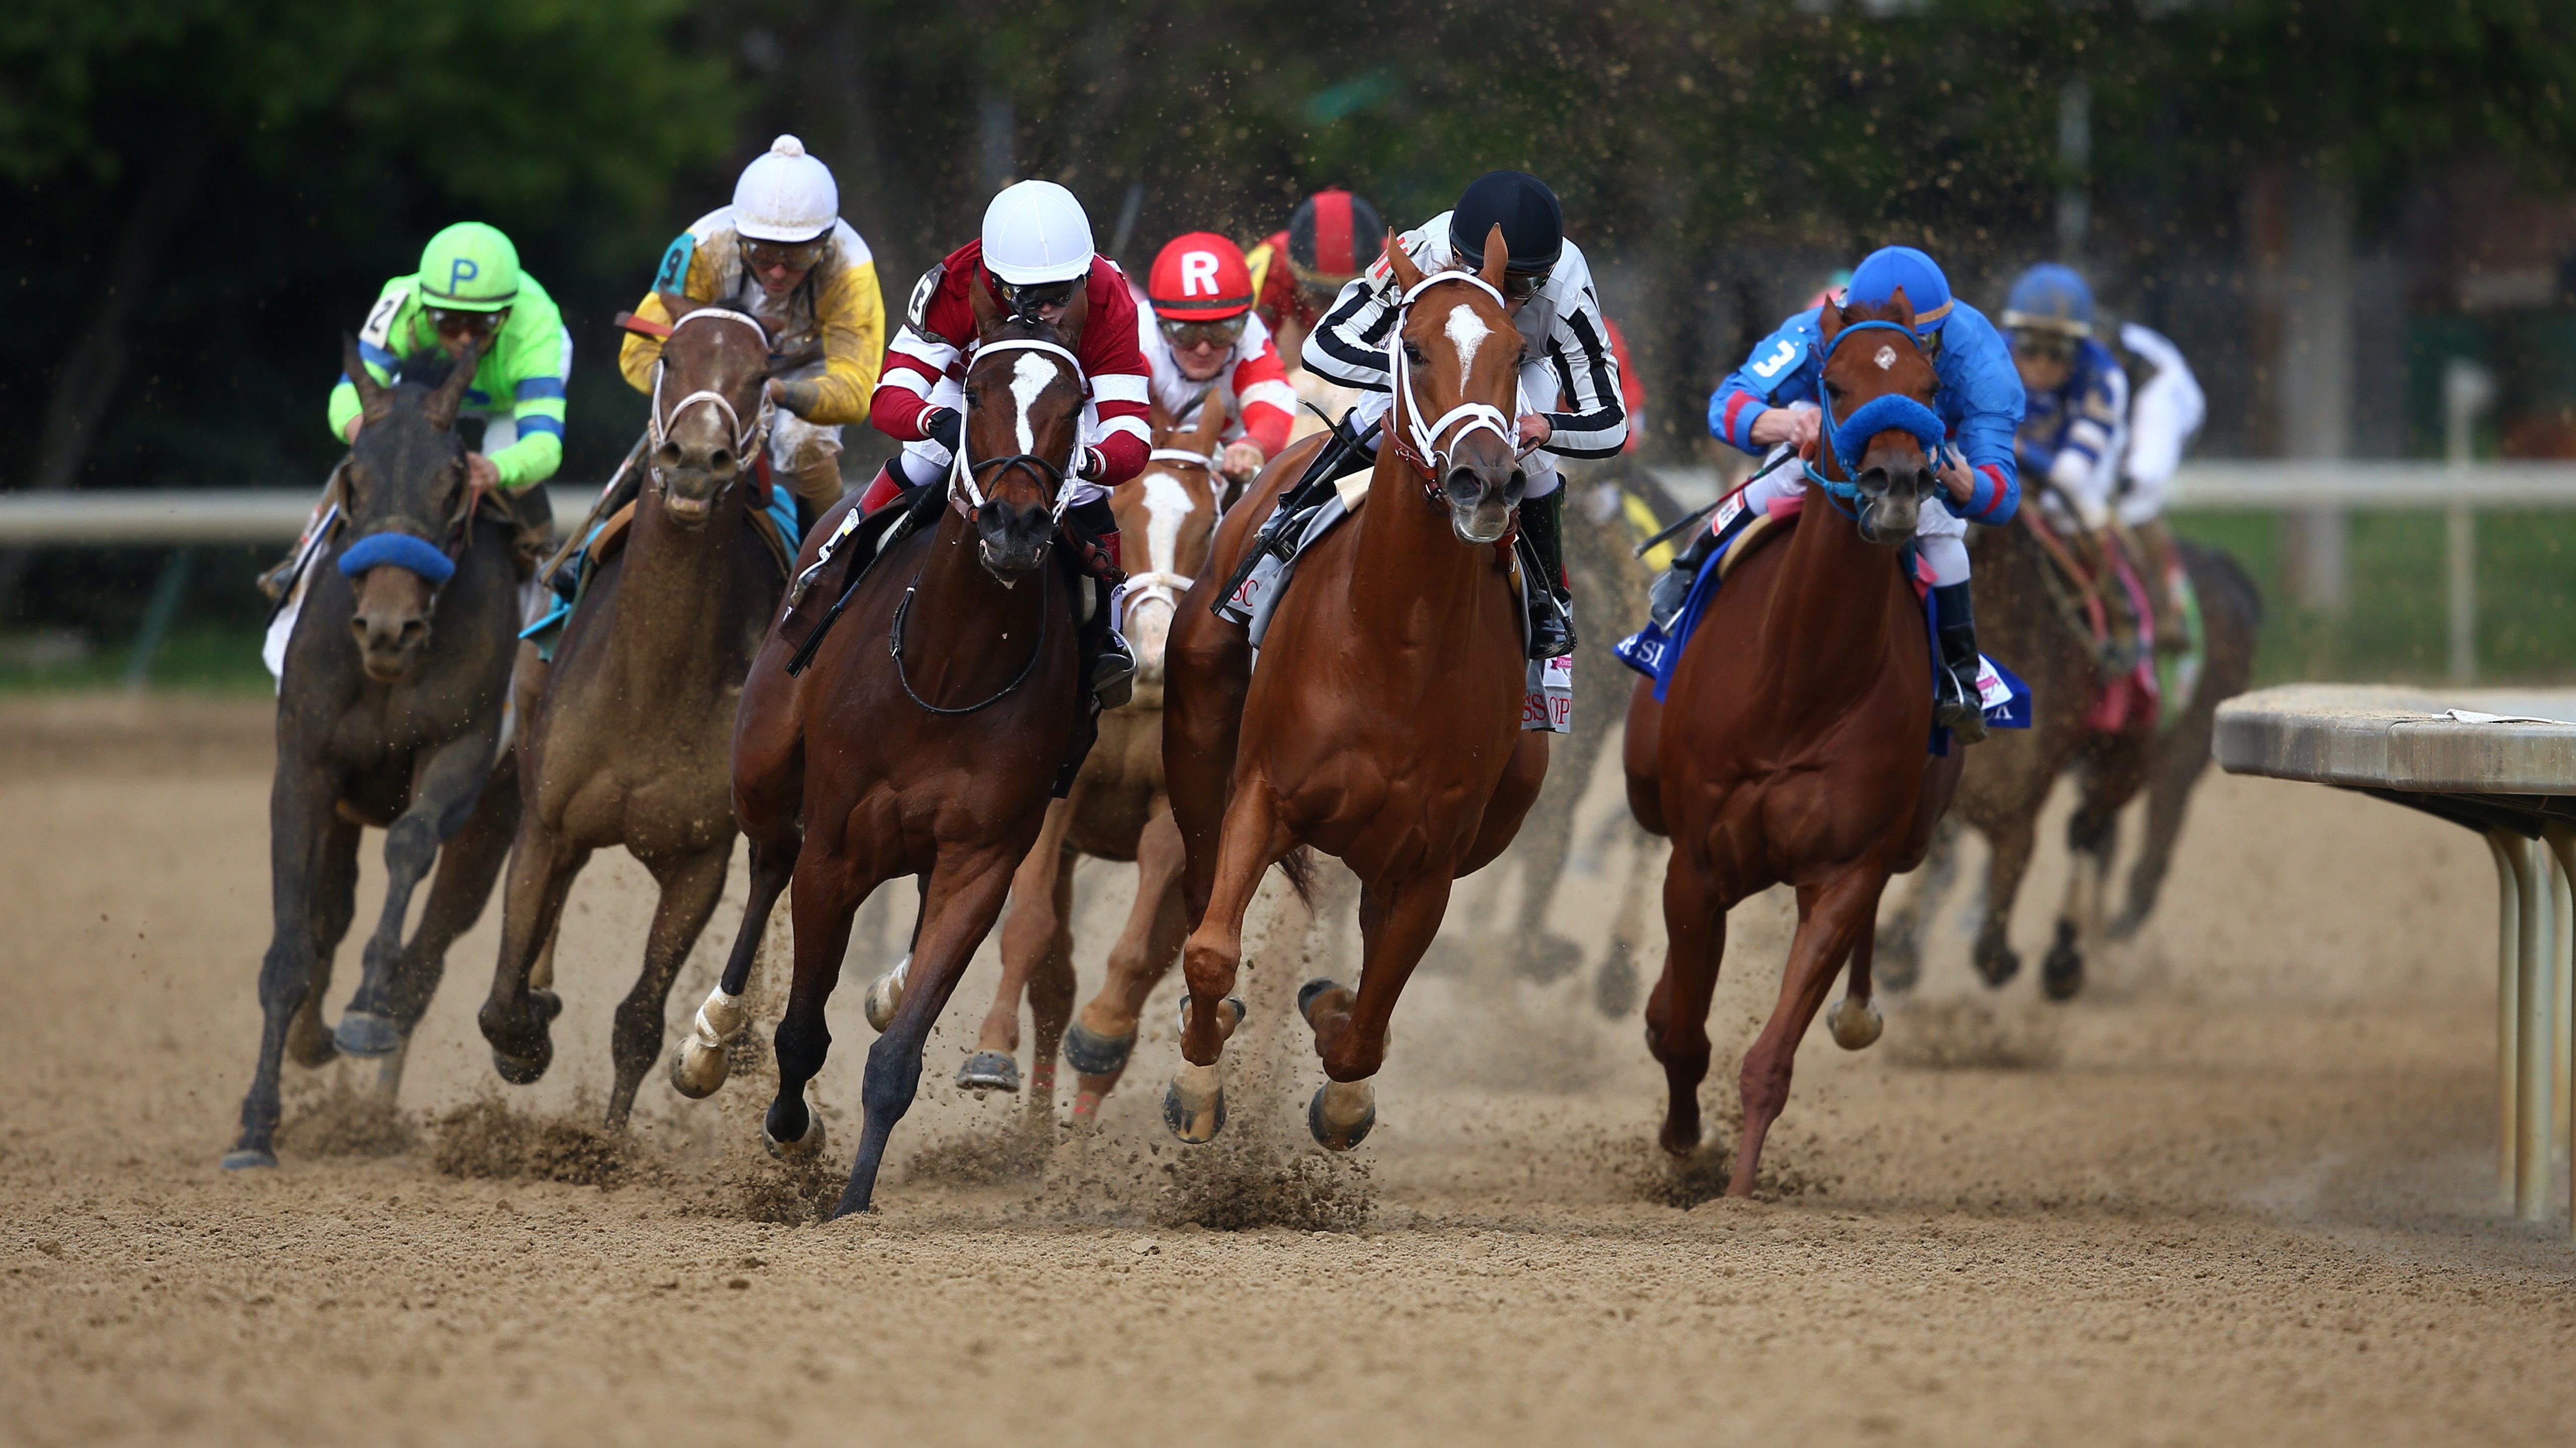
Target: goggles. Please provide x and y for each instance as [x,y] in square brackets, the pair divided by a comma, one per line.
[2040,346]
[458,322]
[1521,286]
[1188,334]
[793,255]
[1024,298]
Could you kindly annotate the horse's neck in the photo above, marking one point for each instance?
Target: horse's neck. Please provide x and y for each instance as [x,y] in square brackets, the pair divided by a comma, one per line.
[675,580]
[1827,623]
[1409,546]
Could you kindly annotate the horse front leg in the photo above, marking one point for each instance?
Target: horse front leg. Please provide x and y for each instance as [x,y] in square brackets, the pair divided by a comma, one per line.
[1832,919]
[445,791]
[517,1016]
[468,865]
[827,891]
[303,824]
[1253,840]
[965,898]
[1677,1010]
[691,885]
[1396,927]
[1036,936]
[310,1043]
[1098,1044]
[767,796]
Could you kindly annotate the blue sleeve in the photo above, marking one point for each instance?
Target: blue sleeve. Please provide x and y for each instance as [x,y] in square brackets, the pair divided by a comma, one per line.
[1983,402]
[1781,370]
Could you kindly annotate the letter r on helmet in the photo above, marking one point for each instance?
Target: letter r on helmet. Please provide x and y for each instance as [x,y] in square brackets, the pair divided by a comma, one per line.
[1198,271]
[460,271]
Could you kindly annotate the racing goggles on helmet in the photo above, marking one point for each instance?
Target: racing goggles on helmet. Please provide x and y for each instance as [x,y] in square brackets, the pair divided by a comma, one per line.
[1185,333]
[793,255]
[1520,286]
[1023,299]
[2043,344]
[458,322]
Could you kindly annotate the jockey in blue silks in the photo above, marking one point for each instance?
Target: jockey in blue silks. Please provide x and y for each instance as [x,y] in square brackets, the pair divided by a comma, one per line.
[1771,402]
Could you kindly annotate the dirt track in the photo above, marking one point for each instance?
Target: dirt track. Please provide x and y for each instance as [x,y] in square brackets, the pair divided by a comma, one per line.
[2242,1191]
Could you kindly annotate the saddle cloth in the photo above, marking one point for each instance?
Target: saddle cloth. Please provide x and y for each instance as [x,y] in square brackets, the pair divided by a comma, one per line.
[1653,652]
[568,575]
[1547,700]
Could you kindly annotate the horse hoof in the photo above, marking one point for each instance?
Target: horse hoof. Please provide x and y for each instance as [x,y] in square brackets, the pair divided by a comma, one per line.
[1341,1113]
[247,1158]
[1313,991]
[989,1071]
[2061,974]
[1096,1055]
[1194,1104]
[1856,1024]
[885,995]
[367,1035]
[523,1070]
[1999,967]
[697,1070]
[803,1148]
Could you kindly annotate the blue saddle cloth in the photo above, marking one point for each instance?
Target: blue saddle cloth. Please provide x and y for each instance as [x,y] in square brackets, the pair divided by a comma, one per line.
[1657,654]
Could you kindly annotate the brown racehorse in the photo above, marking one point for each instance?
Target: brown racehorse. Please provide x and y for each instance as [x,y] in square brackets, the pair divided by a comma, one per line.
[1385,727]
[1116,810]
[924,739]
[630,740]
[1791,746]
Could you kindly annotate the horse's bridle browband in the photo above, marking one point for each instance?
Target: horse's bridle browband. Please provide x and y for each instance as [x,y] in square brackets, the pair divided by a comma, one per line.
[962,475]
[745,435]
[1420,446]
[1843,492]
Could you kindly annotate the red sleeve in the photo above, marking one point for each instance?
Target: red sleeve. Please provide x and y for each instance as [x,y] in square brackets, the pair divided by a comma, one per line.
[1121,382]
[929,341]
[1269,404]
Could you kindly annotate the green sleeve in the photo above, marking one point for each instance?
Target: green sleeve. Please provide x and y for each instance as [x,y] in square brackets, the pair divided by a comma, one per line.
[536,360]
[388,318]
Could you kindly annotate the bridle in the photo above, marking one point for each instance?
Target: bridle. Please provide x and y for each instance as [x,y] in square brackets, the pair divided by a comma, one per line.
[1420,446]
[404,542]
[746,436]
[1852,434]
[964,491]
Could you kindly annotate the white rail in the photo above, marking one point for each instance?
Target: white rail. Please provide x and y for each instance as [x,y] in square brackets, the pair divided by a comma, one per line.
[98,517]
[2263,486]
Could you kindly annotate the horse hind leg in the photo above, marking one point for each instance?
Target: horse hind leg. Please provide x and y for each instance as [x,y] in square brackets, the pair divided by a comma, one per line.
[698,1068]
[1098,1043]
[1050,992]
[2091,838]
[467,867]
[1834,918]
[2010,845]
[826,895]
[691,885]
[1903,932]
[1677,1010]
[309,1043]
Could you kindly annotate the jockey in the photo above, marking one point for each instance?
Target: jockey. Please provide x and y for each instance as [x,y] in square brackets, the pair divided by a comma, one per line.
[2165,409]
[1035,249]
[469,288]
[2078,397]
[1547,289]
[1203,341]
[782,253]
[1296,273]
[1769,401]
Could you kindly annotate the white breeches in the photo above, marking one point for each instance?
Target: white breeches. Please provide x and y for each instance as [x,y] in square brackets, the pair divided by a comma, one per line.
[2166,413]
[926,461]
[1940,535]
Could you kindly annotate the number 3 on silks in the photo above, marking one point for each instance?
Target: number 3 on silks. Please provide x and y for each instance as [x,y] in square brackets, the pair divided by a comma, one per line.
[1770,366]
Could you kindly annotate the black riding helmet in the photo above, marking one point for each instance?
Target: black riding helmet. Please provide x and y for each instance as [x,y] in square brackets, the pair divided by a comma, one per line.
[1533,224]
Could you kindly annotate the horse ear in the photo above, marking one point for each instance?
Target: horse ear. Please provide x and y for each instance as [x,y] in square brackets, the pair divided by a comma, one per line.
[442,405]
[1068,328]
[1498,258]
[1212,416]
[1904,308]
[1829,317]
[372,395]
[987,310]
[676,306]
[1407,275]
[1158,420]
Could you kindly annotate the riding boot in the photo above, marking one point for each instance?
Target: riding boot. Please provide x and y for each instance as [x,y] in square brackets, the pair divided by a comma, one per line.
[1345,451]
[1108,663]
[1551,603]
[1956,705]
[1672,587]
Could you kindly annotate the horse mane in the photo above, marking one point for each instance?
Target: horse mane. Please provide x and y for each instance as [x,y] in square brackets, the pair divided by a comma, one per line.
[427,369]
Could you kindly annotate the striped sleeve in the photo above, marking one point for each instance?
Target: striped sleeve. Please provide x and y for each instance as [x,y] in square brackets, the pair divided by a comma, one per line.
[914,363]
[539,366]
[1349,345]
[1595,421]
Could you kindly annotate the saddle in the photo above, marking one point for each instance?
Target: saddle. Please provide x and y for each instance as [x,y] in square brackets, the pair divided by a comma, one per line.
[2099,601]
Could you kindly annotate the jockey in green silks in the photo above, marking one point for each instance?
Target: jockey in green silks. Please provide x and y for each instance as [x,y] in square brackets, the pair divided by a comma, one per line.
[469,288]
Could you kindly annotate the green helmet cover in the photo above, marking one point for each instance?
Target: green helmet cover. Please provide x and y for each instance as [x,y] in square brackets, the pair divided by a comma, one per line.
[470,267]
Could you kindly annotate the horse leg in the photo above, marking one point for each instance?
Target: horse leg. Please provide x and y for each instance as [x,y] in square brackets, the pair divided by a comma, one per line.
[1834,917]
[303,828]
[1640,759]
[1051,989]
[1098,1044]
[1396,926]
[1855,1022]
[699,1066]
[827,892]
[447,790]
[467,867]
[1903,932]
[309,1043]
[1677,1010]
[1207,672]
[2175,770]
[1614,990]
[516,1016]
[965,896]
[691,885]
[2009,843]
[1037,931]
[1252,841]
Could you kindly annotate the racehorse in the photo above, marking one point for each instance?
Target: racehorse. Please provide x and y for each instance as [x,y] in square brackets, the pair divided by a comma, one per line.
[630,740]
[1116,810]
[1791,745]
[923,738]
[1385,727]
[2007,783]
[389,713]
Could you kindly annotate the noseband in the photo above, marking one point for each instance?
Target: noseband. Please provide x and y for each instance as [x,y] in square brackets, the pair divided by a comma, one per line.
[746,436]
[964,491]
[403,542]
[1419,446]
[1846,436]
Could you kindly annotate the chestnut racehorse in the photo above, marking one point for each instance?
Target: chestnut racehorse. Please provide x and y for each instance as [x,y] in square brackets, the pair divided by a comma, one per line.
[924,738]
[1791,746]
[1385,724]
[1116,810]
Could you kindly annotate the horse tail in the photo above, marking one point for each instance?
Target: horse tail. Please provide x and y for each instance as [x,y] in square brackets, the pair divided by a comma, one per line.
[1299,866]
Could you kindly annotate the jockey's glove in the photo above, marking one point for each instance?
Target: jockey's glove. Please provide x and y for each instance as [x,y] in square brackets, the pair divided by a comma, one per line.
[945,426]
[1089,465]
[799,398]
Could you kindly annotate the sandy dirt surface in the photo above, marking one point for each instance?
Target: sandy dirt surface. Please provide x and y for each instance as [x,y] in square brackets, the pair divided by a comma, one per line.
[2242,1192]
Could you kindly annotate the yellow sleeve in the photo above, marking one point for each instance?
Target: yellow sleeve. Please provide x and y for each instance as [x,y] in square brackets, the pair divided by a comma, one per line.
[637,354]
[852,311]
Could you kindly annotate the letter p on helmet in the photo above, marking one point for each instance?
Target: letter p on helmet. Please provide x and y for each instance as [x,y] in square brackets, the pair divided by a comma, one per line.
[460,271]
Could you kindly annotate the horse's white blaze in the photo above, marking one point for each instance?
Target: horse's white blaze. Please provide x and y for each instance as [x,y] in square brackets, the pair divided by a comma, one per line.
[1468,332]
[1168,505]
[1885,359]
[1029,377]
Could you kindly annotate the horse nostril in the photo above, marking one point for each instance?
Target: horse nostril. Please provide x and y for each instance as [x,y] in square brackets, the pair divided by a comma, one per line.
[720,462]
[1464,484]
[668,455]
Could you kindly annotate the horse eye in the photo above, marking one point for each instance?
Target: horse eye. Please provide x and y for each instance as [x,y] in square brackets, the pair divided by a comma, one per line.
[1412,353]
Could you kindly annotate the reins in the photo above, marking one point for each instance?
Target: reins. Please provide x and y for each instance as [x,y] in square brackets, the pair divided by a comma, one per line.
[894,646]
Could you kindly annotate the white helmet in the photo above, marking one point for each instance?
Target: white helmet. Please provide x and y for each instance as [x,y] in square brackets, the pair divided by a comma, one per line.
[1035,232]
[785,195]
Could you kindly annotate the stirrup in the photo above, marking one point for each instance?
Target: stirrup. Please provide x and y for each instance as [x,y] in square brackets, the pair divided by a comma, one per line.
[1113,674]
